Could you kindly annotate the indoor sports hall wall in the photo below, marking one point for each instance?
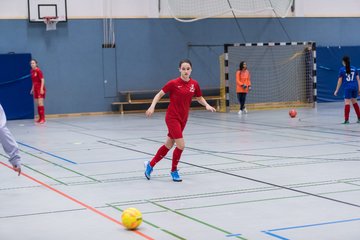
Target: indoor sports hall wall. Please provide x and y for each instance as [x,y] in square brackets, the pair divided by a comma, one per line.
[147,52]
[17,9]
[147,49]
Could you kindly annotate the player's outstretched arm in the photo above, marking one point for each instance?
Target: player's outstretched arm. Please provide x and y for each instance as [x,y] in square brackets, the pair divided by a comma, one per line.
[203,102]
[156,99]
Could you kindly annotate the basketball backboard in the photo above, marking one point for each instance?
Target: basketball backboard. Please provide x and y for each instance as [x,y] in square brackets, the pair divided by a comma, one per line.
[39,9]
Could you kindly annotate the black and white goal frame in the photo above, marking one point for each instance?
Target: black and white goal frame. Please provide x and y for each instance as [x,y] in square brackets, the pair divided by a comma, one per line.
[226,63]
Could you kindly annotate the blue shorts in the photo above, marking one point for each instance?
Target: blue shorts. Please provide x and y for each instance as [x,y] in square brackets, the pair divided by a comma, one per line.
[351,93]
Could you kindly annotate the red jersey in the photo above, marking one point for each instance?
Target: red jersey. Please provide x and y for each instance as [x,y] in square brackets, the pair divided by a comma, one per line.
[181,94]
[36,76]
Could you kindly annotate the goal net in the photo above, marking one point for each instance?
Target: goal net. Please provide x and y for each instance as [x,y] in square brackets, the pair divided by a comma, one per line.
[282,74]
[192,10]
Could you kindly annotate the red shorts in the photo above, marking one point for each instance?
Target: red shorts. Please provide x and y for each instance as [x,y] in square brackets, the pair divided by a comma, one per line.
[37,92]
[175,128]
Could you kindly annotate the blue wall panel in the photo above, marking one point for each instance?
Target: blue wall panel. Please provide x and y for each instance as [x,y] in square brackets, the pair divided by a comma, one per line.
[109,72]
[15,86]
[148,51]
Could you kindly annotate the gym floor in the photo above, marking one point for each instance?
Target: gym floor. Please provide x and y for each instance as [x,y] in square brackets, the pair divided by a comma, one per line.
[261,176]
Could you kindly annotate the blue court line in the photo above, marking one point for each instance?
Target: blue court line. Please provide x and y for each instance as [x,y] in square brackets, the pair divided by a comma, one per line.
[233,235]
[53,155]
[274,235]
[269,232]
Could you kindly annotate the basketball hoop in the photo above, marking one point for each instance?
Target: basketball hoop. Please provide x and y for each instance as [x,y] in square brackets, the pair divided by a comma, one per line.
[51,23]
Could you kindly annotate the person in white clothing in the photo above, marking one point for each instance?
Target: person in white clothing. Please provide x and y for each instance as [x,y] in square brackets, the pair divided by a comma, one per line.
[9,144]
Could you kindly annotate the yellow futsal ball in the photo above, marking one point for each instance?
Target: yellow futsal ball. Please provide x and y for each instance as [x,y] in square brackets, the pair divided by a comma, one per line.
[131,218]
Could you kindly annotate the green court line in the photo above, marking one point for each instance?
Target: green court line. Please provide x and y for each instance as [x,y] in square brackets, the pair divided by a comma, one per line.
[45,175]
[196,220]
[19,188]
[348,180]
[215,154]
[240,202]
[48,176]
[158,211]
[217,205]
[194,196]
[143,212]
[350,183]
[82,183]
[212,194]
[227,193]
[42,213]
[151,224]
[343,191]
[353,179]
[257,165]
[58,165]
[265,199]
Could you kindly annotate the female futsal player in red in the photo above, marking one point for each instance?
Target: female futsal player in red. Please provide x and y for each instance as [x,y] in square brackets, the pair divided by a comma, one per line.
[181,91]
[38,89]
[349,77]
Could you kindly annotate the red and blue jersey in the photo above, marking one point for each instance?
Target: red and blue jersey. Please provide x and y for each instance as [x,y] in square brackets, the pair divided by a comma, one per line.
[349,80]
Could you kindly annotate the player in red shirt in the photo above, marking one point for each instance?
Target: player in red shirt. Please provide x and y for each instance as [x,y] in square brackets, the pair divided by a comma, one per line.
[181,91]
[38,89]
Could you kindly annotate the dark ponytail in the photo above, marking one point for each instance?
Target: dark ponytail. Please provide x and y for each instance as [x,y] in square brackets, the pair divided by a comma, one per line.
[346,60]
[241,66]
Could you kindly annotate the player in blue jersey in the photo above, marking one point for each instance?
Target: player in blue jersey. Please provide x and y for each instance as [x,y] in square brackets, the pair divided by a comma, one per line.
[349,77]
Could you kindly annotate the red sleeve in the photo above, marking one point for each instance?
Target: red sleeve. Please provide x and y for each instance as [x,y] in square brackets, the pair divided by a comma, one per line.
[40,74]
[168,86]
[198,92]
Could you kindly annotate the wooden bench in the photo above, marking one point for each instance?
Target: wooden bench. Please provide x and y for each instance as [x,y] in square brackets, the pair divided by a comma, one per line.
[129,99]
